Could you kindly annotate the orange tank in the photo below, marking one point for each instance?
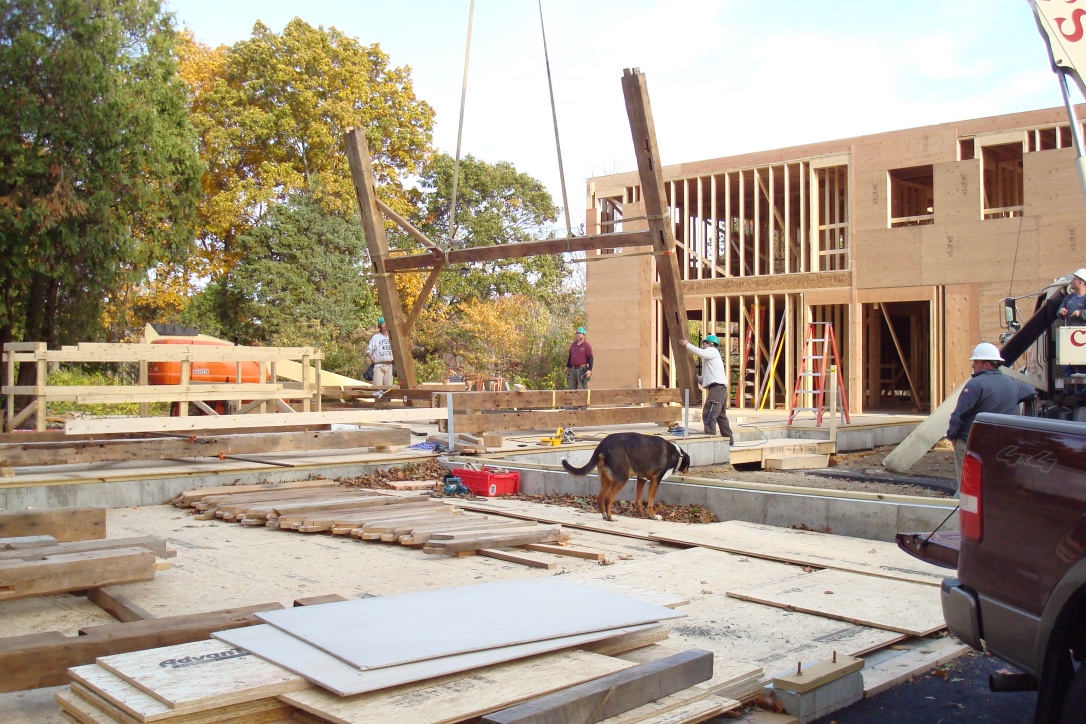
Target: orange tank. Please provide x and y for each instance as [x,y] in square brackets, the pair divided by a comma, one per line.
[169,373]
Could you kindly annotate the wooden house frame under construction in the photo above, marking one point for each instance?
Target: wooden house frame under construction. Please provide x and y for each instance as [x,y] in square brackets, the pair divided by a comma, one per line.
[905,241]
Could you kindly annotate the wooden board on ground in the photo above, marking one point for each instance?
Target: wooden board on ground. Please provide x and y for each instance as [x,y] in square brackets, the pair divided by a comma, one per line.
[911,608]
[369,632]
[54,653]
[331,673]
[20,543]
[515,556]
[880,676]
[460,696]
[113,602]
[186,498]
[824,550]
[152,543]
[202,675]
[270,420]
[64,524]
[87,452]
[682,706]
[75,572]
[612,694]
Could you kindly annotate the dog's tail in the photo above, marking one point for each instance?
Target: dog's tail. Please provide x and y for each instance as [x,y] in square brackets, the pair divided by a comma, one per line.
[587,466]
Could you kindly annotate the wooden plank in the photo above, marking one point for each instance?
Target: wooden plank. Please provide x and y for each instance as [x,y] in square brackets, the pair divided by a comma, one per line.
[83,451]
[551,419]
[419,536]
[365,632]
[64,524]
[811,677]
[459,696]
[269,420]
[202,675]
[613,694]
[152,543]
[54,653]
[565,551]
[82,711]
[21,543]
[75,572]
[344,679]
[518,558]
[188,497]
[491,540]
[902,606]
[619,240]
[879,677]
[549,399]
[823,550]
[317,600]
[117,605]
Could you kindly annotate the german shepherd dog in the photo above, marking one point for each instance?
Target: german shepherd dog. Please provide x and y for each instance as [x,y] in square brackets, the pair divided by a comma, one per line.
[625,454]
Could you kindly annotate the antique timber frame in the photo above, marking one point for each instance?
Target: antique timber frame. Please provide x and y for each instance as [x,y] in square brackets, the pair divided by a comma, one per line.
[435,258]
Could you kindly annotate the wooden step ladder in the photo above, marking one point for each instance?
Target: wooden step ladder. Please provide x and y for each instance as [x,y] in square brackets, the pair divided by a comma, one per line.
[817,356]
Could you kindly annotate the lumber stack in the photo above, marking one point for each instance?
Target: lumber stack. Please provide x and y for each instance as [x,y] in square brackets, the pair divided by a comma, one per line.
[322,506]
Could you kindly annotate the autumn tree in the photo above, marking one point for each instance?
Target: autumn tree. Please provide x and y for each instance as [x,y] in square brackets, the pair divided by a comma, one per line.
[302,279]
[271,112]
[98,164]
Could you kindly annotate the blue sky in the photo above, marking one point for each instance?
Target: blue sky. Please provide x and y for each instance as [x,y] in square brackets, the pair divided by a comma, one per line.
[725,76]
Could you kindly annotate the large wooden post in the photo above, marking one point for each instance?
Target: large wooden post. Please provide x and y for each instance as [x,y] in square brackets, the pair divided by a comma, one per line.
[358,154]
[636,92]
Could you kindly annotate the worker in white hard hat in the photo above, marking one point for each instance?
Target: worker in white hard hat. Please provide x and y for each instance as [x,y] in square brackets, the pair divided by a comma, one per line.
[988,390]
[714,411]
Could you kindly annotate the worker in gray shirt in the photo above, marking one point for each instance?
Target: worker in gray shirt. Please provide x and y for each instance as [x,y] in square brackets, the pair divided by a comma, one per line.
[715,382]
[988,390]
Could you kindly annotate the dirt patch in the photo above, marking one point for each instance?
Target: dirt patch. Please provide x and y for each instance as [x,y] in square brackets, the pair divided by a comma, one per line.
[932,476]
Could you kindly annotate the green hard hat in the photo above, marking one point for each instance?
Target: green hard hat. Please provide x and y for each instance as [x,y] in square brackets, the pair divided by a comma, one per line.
[380,320]
[712,339]
[581,330]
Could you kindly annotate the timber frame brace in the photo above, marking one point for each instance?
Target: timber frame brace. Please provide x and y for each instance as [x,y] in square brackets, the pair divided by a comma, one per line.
[659,236]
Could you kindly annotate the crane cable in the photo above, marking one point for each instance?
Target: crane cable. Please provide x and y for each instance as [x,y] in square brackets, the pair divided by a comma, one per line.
[460,128]
[554,117]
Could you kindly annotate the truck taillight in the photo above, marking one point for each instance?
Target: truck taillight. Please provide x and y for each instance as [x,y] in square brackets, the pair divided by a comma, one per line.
[970,514]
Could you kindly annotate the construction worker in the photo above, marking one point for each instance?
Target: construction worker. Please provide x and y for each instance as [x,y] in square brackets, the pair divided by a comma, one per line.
[579,362]
[715,382]
[379,351]
[988,390]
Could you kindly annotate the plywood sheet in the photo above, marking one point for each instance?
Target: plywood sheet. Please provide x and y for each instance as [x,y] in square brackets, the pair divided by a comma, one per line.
[368,633]
[824,550]
[910,608]
[203,674]
[340,677]
[120,693]
[460,696]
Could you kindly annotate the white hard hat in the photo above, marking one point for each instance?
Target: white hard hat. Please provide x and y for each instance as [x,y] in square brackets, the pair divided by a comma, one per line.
[1081,274]
[987,352]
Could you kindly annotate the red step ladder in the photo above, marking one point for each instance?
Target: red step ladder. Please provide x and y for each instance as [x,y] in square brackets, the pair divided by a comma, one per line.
[817,356]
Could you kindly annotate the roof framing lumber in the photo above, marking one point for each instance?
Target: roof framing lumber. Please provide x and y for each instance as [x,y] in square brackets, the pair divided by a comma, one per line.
[636,92]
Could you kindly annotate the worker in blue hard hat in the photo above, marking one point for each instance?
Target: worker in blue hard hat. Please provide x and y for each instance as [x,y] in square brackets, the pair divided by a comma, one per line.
[714,411]
[379,350]
[579,362]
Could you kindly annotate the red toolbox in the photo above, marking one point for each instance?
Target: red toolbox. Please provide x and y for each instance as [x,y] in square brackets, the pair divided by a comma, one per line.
[489,483]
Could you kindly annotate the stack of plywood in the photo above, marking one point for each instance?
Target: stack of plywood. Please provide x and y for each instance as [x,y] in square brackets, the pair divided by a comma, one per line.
[418,657]
[321,506]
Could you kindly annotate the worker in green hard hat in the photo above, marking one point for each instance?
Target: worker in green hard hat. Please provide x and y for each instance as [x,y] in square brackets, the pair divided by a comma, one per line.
[579,362]
[714,411]
[379,350]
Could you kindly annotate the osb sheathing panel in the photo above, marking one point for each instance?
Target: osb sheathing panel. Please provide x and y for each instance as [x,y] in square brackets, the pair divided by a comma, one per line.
[903,149]
[962,332]
[982,251]
[869,206]
[957,192]
[1051,185]
[888,258]
[618,306]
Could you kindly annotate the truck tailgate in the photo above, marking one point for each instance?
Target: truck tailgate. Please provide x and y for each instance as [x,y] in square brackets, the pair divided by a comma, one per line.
[939,548]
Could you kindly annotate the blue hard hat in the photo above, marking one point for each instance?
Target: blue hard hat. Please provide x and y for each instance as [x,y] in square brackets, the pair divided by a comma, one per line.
[581,330]
[712,339]
[380,320]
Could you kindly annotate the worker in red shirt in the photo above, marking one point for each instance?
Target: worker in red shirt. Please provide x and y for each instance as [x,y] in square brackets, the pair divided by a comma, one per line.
[579,364]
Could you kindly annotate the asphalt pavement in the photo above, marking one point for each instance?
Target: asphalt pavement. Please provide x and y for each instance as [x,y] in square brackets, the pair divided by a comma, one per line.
[956,692]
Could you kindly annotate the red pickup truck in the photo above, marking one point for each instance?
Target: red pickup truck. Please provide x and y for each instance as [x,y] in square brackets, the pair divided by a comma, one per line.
[1020,555]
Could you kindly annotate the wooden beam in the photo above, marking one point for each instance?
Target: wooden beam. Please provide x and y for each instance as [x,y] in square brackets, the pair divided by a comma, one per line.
[552,419]
[358,155]
[519,558]
[53,653]
[424,295]
[901,355]
[64,524]
[75,572]
[406,226]
[650,170]
[497,252]
[270,420]
[551,399]
[117,605]
[613,694]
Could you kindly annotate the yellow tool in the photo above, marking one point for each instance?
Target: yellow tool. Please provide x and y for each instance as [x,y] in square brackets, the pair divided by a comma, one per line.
[553,441]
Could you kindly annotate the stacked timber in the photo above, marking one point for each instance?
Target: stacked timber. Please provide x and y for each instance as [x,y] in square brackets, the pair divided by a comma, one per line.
[58,551]
[392,659]
[322,506]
